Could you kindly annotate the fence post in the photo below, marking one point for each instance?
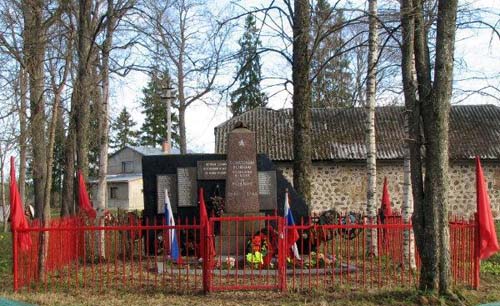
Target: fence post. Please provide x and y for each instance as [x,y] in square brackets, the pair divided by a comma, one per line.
[477,261]
[204,256]
[282,254]
[14,258]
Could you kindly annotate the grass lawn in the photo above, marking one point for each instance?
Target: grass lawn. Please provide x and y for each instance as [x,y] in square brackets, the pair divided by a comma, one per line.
[489,292]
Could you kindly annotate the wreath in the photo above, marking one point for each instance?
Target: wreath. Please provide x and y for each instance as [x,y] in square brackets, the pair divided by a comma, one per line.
[216,204]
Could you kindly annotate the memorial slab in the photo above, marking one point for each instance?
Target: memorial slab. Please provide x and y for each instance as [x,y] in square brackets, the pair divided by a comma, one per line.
[267,190]
[169,182]
[242,195]
[186,187]
[212,169]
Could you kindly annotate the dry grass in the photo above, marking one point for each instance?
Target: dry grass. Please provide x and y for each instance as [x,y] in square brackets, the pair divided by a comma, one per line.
[489,292]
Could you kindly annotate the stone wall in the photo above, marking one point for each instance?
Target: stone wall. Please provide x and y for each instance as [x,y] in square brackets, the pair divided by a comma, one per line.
[343,185]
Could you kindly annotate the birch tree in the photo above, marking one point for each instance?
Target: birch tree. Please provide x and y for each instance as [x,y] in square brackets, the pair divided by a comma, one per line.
[407,203]
[115,11]
[371,149]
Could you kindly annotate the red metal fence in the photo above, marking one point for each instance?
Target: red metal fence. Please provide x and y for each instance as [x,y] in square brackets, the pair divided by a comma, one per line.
[251,254]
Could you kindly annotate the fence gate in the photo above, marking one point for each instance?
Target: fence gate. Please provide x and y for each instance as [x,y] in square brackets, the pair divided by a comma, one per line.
[249,253]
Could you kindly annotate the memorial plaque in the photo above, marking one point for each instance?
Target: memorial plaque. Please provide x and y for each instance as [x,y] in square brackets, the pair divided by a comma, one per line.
[267,190]
[168,182]
[212,169]
[242,194]
[186,187]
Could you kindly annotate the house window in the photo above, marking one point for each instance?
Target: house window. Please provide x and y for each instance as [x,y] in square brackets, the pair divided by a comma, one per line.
[127,167]
[113,193]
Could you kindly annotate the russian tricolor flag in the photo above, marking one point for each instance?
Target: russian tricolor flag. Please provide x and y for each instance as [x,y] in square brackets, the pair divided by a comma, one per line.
[172,236]
[292,234]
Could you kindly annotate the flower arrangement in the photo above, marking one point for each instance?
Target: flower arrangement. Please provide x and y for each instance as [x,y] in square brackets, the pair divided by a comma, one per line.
[216,205]
[314,260]
[227,262]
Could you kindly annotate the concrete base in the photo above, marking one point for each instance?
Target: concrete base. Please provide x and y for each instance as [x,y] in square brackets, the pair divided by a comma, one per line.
[234,235]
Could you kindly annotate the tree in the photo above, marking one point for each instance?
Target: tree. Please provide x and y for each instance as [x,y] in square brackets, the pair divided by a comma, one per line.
[83,83]
[7,145]
[371,148]
[153,131]
[331,78]
[114,13]
[58,165]
[123,131]
[302,118]
[37,22]
[248,95]
[35,42]
[428,102]
[184,34]
[60,60]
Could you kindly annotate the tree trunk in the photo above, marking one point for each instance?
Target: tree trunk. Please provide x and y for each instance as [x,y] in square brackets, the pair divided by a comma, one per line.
[412,129]
[429,113]
[407,205]
[68,195]
[371,148]
[182,103]
[83,85]
[302,151]
[182,128]
[22,134]
[102,99]
[437,163]
[34,48]
[48,182]
[103,118]
[2,191]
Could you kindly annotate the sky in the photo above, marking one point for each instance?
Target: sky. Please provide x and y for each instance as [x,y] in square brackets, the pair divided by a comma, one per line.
[477,66]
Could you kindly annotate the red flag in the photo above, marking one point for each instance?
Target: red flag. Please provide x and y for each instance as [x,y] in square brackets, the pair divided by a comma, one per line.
[204,224]
[17,217]
[488,242]
[83,198]
[386,200]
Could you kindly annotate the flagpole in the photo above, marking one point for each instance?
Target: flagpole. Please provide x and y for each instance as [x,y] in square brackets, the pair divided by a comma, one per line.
[14,257]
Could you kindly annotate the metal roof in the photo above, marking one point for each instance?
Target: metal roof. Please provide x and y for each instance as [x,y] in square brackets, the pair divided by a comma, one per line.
[339,134]
[146,151]
[117,178]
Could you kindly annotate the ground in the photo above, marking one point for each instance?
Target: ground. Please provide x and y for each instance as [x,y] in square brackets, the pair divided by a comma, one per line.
[489,292]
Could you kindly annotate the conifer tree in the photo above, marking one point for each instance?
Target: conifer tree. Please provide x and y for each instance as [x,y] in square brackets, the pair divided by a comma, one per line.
[331,79]
[123,132]
[248,95]
[153,130]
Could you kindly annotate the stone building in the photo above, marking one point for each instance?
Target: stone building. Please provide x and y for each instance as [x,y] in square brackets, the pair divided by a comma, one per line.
[339,153]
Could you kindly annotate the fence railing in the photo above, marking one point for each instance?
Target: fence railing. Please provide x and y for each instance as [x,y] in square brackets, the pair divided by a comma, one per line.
[251,253]
[131,256]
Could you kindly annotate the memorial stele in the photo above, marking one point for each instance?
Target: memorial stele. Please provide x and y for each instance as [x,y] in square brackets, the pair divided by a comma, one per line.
[242,186]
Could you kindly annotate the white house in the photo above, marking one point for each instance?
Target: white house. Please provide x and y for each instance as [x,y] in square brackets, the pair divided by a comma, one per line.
[124,179]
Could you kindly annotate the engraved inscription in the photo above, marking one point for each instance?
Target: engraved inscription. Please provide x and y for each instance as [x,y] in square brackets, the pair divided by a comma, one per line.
[243,171]
[242,195]
[186,187]
[267,190]
[264,183]
[212,170]
[168,182]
